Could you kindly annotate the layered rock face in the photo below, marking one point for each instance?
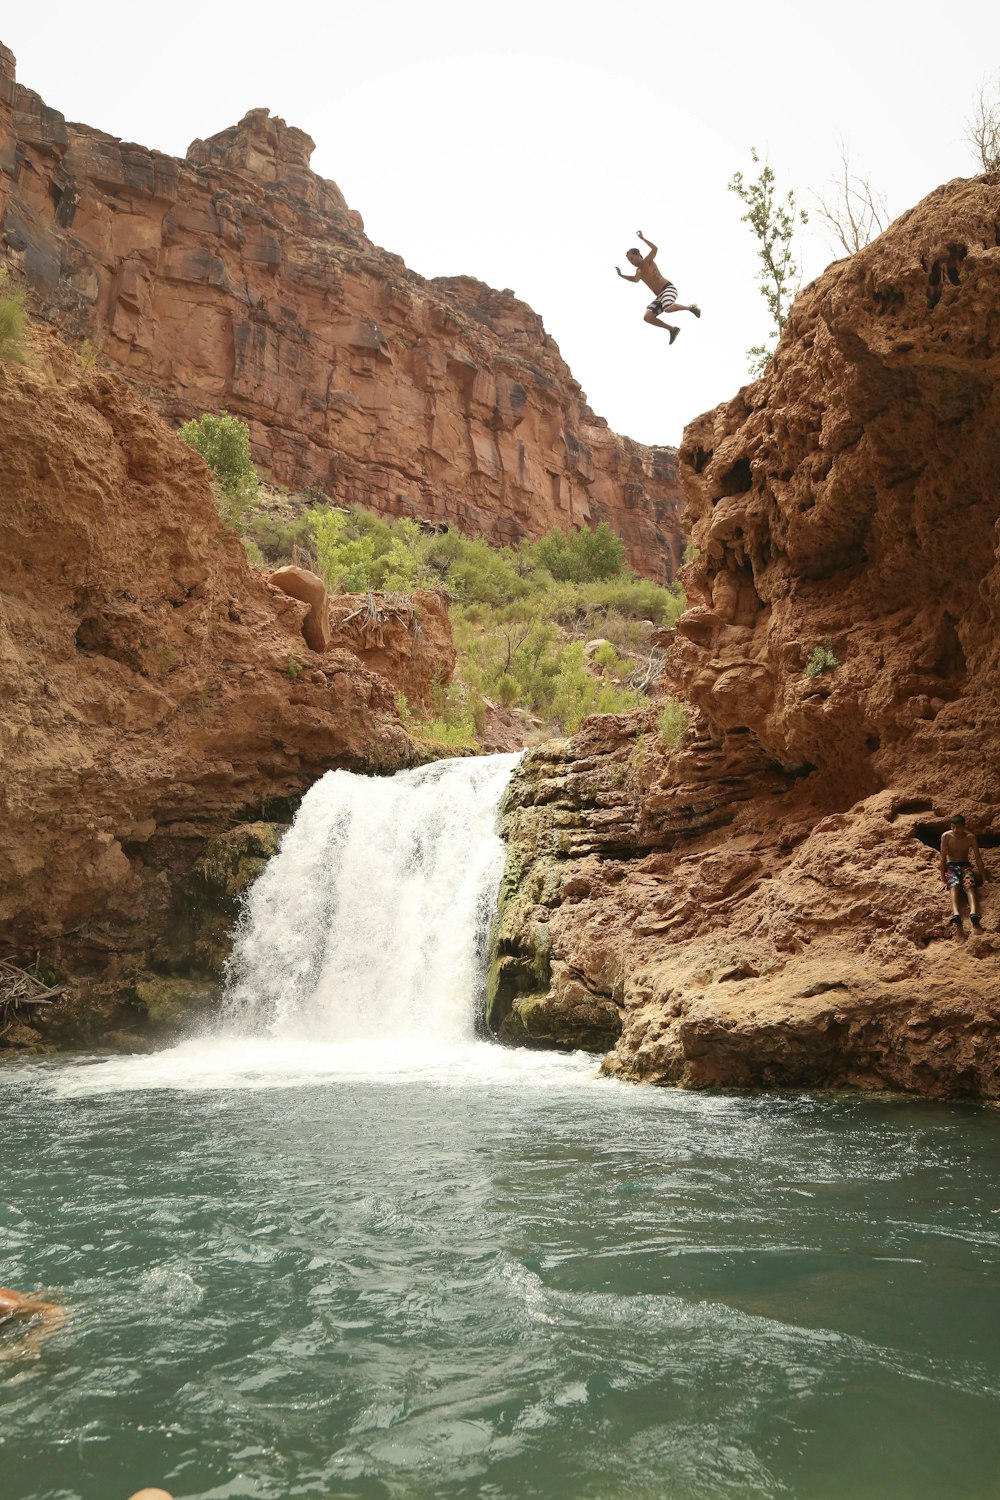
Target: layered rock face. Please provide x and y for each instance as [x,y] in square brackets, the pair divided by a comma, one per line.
[761,905]
[237,278]
[153,689]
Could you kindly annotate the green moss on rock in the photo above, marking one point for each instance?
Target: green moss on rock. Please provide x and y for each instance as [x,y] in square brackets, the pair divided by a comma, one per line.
[232,861]
[171,1003]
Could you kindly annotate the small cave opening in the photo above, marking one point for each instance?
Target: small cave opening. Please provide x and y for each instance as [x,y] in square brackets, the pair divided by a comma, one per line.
[949,658]
[931,834]
[736,480]
[916,804]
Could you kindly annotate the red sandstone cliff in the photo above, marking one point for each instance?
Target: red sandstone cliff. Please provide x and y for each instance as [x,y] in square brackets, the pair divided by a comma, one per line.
[153,688]
[761,905]
[237,278]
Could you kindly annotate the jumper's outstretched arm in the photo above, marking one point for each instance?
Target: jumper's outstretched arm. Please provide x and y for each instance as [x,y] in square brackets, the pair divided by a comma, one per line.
[653,249]
[627,278]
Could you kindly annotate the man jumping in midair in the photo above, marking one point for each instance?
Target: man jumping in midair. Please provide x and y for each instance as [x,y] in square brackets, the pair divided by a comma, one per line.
[664,291]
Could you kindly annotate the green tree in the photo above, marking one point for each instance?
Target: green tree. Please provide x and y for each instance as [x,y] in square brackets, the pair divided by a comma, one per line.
[224,444]
[11,321]
[357,551]
[773,221]
[584,556]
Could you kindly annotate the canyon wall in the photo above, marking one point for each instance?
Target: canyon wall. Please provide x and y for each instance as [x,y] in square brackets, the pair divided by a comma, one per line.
[760,903]
[239,279]
[154,690]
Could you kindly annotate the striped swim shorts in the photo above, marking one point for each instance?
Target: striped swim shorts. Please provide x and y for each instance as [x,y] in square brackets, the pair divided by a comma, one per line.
[663,299]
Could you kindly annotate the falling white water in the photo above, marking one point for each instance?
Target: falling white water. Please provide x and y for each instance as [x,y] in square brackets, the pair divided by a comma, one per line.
[371,922]
[361,953]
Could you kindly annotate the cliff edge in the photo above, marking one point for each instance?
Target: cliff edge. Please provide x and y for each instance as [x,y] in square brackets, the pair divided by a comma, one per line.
[154,690]
[239,279]
[760,904]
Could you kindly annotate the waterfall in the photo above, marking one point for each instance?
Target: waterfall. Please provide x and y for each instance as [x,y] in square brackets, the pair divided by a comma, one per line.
[371,922]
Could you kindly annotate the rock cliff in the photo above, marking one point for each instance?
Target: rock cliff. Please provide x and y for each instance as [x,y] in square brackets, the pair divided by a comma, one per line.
[237,278]
[760,904]
[154,691]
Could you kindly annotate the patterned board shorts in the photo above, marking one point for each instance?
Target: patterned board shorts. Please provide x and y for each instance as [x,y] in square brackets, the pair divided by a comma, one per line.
[663,299]
[960,877]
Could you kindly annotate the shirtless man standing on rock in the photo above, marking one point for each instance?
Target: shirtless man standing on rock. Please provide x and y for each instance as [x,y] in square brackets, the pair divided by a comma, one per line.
[664,291]
[959,853]
[40,1318]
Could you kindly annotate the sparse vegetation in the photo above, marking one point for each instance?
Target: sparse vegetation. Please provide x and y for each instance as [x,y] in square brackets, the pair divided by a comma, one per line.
[86,356]
[773,222]
[983,129]
[294,669]
[204,702]
[520,630]
[224,444]
[854,212]
[672,723]
[823,659]
[11,321]
[281,539]
[255,556]
[451,728]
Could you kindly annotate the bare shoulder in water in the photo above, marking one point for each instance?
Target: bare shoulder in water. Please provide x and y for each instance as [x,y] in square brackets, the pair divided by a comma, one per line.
[34,1321]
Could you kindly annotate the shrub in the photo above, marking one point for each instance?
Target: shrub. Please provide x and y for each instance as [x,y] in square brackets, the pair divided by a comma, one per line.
[640,598]
[255,556]
[224,444]
[518,630]
[11,321]
[672,723]
[472,570]
[821,660]
[281,541]
[357,551]
[451,727]
[583,556]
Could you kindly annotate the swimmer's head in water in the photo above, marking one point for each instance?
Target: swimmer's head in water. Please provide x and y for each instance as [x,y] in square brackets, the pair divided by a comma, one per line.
[151,1495]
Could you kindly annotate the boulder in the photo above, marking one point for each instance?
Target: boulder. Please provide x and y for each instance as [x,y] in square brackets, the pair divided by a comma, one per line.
[311,590]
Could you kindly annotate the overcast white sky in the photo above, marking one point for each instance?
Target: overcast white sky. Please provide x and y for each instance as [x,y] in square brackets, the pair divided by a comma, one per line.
[525,143]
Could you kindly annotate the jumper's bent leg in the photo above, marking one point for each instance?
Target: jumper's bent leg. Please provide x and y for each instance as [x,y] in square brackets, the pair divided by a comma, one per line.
[651,317]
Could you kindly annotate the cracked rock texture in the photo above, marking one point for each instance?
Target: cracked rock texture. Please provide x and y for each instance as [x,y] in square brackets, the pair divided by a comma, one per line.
[238,279]
[760,904]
